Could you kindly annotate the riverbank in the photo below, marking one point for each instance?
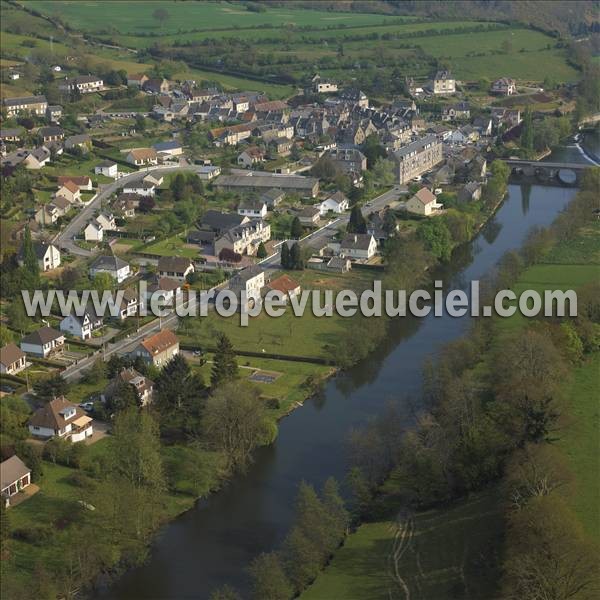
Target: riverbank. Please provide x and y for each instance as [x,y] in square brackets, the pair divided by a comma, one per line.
[456,550]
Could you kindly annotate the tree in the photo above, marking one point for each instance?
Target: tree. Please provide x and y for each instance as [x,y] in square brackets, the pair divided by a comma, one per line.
[4,531]
[527,130]
[269,581]
[17,317]
[140,123]
[147,204]
[285,256]
[296,259]
[51,387]
[547,553]
[437,238]
[178,186]
[161,15]
[123,398]
[235,423]
[383,172]
[301,562]
[296,229]
[31,269]
[261,251]
[373,150]
[224,364]
[135,451]
[179,396]
[357,223]
[225,592]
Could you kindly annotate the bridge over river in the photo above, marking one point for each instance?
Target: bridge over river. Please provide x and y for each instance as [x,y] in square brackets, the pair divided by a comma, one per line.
[547,172]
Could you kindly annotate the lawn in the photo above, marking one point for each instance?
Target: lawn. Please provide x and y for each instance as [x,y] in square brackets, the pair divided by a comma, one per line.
[290,388]
[319,335]
[443,549]
[172,246]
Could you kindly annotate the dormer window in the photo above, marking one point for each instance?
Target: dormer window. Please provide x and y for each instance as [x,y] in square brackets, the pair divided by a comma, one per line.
[68,413]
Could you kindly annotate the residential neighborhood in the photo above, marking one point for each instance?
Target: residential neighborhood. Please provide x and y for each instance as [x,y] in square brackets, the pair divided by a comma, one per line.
[203,206]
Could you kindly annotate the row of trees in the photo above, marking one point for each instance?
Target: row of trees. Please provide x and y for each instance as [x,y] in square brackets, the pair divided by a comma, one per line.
[320,525]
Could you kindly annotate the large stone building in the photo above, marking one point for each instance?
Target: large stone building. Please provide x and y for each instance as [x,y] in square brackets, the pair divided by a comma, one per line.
[30,104]
[416,158]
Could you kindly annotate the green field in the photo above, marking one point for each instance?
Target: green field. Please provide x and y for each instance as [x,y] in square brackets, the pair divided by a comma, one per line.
[580,443]
[430,555]
[318,336]
[136,17]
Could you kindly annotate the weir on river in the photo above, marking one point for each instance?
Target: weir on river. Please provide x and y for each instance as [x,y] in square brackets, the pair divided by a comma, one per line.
[213,543]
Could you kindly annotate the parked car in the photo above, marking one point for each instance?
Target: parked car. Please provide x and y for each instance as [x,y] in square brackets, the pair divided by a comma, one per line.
[87,406]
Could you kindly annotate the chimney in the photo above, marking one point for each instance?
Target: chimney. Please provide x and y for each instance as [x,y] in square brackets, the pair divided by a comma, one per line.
[355,238]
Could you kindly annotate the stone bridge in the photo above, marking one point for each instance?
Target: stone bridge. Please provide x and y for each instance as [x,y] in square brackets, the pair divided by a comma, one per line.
[558,173]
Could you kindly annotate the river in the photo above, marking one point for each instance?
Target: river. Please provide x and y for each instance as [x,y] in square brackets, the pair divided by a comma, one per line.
[213,543]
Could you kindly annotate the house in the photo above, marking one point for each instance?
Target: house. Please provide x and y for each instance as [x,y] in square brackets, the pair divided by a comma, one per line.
[471,192]
[280,147]
[505,118]
[142,386]
[37,158]
[348,159]
[250,281]
[83,182]
[142,156]
[140,188]
[70,191]
[309,216]
[273,197]
[416,158]
[171,148]
[423,203]
[483,125]
[252,208]
[356,97]
[125,207]
[208,172]
[286,285]
[11,135]
[175,267]
[82,326]
[505,86]
[107,220]
[108,168]
[452,112]
[358,246]
[84,84]
[250,156]
[83,141]
[337,203]
[43,342]
[93,232]
[158,349]
[36,105]
[339,264]
[48,256]
[231,135]
[244,238]
[14,476]
[129,305]
[164,288]
[136,80]
[155,180]
[49,213]
[324,86]
[60,418]
[54,113]
[116,267]
[444,83]
[220,222]
[307,187]
[12,359]
[156,86]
